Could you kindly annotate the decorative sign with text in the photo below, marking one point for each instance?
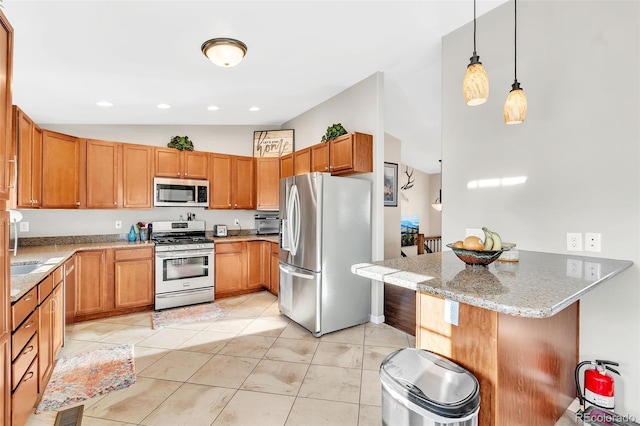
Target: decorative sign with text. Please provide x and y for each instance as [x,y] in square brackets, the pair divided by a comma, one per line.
[272,143]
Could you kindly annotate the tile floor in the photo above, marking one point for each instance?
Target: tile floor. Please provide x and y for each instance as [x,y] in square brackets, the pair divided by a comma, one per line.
[252,367]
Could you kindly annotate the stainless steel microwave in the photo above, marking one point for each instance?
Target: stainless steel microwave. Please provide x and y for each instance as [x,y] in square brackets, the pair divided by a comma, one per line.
[171,192]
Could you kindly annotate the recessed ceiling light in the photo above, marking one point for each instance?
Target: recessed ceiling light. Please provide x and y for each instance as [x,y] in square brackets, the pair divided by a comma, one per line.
[164,106]
[104,104]
[254,108]
[213,108]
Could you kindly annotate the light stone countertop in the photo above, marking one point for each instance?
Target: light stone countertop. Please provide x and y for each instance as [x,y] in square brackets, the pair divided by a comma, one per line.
[538,286]
[275,238]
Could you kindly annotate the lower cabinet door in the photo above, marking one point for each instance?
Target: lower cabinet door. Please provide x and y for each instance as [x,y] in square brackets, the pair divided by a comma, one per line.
[25,396]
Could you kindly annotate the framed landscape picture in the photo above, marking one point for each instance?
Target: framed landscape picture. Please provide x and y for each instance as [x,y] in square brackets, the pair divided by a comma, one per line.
[390,184]
[272,143]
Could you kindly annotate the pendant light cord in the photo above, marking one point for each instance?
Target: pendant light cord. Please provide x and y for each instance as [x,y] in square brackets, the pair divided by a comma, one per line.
[474,27]
[515,41]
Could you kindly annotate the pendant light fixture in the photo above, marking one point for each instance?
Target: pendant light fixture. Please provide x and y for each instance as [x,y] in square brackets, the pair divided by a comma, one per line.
[225,52]
[515,108]
[438,203]
[475,86]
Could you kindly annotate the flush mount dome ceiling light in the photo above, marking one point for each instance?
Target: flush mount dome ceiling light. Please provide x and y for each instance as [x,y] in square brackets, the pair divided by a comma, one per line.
[225,52]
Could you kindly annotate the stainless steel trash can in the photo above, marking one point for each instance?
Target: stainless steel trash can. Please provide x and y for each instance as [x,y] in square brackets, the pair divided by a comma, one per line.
[420,388]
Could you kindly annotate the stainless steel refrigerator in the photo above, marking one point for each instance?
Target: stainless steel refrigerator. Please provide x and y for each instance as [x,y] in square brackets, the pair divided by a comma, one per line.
[325,227]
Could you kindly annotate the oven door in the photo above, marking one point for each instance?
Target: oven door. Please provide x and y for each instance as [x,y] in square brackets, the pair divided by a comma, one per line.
[184,270]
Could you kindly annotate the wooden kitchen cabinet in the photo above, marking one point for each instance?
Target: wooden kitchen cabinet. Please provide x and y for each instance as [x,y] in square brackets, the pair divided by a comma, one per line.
[5,309]
[6,67]
[258,264]
[274,270]
[102,165]
[351,153]
[137,176]
[50,323]
[70,289]
[286,165]
[27,139]
[91,293]
[133,277]
[302,161]
[231,182]
[320,157]
[171,162]
[230,268]
[60,171]
[268,183]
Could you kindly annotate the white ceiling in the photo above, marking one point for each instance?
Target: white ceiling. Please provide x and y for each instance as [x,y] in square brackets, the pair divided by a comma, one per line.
[68,55]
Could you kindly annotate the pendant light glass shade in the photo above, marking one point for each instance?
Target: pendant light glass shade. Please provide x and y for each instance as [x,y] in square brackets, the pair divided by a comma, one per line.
[515,108]
[475,86]
[224,52]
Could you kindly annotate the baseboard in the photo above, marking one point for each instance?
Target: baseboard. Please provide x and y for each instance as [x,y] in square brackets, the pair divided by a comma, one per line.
[376,319]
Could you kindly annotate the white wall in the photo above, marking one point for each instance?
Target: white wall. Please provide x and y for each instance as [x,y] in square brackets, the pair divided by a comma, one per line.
[392,152]
[435,217]
[579,148]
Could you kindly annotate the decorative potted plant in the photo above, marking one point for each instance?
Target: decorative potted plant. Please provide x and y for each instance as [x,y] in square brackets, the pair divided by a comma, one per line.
[183,143]
[333,132]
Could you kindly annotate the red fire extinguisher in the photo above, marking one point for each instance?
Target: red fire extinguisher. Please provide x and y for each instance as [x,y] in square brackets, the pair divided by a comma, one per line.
[598,385]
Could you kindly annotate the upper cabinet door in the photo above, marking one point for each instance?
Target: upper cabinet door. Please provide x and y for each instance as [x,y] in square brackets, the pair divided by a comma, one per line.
[167,162]
[27,137]
[220,181]
[286,165]
[60,171]
[320,157]
[268,183]
[195,165]
[6,64]
[302,161]
[351,153]
[137,176]
[244,183]
[102,174]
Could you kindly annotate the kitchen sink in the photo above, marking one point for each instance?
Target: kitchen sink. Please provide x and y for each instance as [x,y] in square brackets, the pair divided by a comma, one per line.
[24,269]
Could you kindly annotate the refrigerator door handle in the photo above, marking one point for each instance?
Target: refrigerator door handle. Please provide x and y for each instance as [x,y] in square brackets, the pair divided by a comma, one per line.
[296,274]
[293,209]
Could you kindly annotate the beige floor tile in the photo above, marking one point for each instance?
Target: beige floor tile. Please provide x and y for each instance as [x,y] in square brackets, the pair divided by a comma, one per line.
[370,416]
[135,403]
[374,355]
[384,335]
[292,350]
[248,346]
[338,355]
[255,408]
[247,311]
[190,405]
[77,346]
[176,365]
[229,325]
[353,335]
[231,302]
[97,331]
[263,298]
[195,326]
[331,383]
[207,342]
[265,327]
[296,331]
[371,388]
[145,356]
[130,334]
[225,371]
[168,338]
[94,421]
[77,326]
[316,412]
[273,312]
[142,319]
[46,418]
[278,377]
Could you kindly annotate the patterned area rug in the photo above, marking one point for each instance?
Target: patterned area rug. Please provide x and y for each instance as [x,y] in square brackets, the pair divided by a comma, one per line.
[186,315]
[86,375]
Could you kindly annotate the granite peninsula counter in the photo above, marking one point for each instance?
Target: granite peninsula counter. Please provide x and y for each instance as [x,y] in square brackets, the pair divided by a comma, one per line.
[517,325]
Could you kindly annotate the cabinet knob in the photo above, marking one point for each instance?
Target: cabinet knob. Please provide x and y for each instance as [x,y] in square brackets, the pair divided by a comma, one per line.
[236,205]
[186,174]
[77,203]
[115,203]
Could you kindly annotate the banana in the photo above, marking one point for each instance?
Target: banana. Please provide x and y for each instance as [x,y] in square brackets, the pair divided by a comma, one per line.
[497,241]
[488,239]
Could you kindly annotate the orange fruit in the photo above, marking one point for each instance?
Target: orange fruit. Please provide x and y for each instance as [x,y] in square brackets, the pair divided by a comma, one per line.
[473,243]
[458,244]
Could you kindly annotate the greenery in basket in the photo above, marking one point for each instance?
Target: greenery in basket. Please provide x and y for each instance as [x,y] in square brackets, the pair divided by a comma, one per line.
[183,143]
[333,132]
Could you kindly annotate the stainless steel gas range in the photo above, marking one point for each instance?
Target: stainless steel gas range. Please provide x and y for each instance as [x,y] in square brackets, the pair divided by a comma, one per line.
[184,264]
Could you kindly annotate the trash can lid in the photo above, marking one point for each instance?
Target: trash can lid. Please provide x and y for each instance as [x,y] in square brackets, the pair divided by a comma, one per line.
[431,381]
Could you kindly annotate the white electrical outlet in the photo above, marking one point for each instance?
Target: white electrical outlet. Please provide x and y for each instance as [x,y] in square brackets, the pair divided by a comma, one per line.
[592,271]
[574,241]
[236,222]
[574,268]
[592,241]
[474,231]
[24,226]
[451,311]
[118,224]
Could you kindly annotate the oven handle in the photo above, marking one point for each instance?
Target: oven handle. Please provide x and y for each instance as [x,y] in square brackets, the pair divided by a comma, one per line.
[182,254]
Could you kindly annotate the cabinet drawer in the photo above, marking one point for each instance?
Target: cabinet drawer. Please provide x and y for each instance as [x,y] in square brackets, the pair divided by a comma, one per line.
[25,396]
[58,275]
[45,288]
[23,334]
[228,247]
[23,307]
[24,360]
[138,253]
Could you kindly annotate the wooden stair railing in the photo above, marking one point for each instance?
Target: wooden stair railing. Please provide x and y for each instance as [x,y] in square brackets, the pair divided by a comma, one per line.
[431,244]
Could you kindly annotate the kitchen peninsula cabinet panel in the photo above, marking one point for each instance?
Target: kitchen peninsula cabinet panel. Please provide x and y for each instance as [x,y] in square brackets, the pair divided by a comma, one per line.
[171,162]
[267,183]
[60,171]
[286,165]
[6,67]
[351,153]
[102,174]
[133,277]
[27,138]
[137,176]
[302,161]
[91,294]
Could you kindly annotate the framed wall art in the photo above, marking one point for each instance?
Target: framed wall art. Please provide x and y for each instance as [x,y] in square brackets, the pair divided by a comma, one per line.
[390,184]
[272,143]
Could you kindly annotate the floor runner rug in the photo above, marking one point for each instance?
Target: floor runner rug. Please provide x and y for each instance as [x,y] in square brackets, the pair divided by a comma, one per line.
[82,376]
[186,315]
